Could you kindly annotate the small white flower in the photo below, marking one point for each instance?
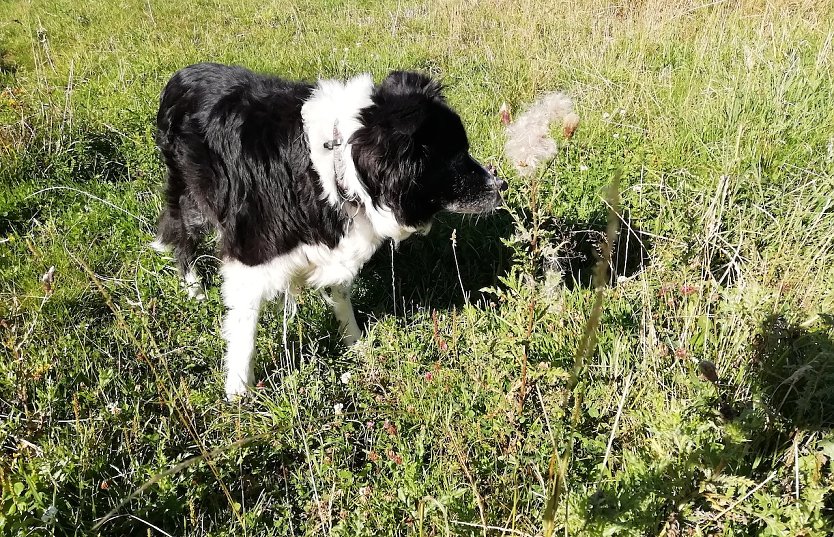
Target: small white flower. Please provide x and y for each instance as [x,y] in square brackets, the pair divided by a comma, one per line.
[616,135]
[337,408]
[583,168]
[113,408]
[622,111]
[605,115]
[345,378]
[48,516]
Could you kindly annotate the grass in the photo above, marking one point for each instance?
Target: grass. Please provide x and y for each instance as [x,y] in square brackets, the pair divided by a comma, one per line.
[450,416]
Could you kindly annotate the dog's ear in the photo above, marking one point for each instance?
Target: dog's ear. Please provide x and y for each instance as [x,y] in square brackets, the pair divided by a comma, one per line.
[404,100]
[411,83]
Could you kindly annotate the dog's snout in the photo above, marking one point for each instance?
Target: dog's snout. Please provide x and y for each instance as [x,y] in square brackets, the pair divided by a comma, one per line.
[498,183]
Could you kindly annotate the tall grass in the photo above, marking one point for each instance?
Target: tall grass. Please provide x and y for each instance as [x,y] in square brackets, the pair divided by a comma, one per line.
[445,419]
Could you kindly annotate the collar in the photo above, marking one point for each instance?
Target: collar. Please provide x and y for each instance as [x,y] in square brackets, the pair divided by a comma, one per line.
[331,116]
[339,166]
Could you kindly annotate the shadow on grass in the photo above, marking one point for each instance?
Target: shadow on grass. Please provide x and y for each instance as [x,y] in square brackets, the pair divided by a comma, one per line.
[643,505]
[91,158]
[80,155]
[433,272]
[581,245]
[795,370]
[8,67]
[263,483]
[794,373]
[261,478]
[19,217]
[101,157]
[647,501]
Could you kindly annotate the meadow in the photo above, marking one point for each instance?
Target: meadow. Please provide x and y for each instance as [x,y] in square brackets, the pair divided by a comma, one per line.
[500,389]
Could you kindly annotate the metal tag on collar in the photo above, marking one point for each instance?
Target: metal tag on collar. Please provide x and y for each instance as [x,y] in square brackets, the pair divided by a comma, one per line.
[337,138]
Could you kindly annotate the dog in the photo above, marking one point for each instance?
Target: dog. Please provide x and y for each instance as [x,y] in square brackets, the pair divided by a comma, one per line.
[303,182]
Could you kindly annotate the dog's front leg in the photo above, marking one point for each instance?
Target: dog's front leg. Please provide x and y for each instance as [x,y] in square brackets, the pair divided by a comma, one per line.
[343,309]
[239,328]
[242,294]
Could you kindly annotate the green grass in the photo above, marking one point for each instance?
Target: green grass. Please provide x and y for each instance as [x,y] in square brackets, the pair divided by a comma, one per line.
[717,114]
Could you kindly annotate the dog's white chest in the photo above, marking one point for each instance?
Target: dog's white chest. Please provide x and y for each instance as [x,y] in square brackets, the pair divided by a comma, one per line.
[323,266]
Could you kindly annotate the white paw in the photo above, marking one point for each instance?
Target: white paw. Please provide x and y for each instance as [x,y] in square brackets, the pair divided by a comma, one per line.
[236,387]
[196,292]
[349,340]
[160,246]
[351,336]
[194,287]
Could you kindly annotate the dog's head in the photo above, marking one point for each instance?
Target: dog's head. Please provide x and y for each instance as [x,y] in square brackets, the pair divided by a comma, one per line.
[413,157]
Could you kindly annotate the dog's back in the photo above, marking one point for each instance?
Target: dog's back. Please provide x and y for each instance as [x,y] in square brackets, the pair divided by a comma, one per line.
[237,161]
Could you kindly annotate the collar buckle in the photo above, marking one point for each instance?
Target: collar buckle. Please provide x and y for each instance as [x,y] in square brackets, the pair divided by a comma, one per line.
[337,138]
[330,144]
[339,168]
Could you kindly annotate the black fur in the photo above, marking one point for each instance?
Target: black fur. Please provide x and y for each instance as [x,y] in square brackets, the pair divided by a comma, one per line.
[238,161]
[413,153]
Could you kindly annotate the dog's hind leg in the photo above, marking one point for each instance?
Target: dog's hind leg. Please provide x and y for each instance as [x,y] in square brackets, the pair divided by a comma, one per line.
[181,227]
[195,225]
[339,299]
[244,288]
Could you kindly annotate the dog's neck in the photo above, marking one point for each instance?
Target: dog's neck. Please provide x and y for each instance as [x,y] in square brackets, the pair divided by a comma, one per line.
[331,116]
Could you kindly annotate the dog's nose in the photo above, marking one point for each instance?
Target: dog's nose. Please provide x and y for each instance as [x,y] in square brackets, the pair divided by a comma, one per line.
[500,184]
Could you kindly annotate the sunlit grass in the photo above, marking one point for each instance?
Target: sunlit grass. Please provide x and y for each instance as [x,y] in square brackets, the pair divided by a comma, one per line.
[719,116]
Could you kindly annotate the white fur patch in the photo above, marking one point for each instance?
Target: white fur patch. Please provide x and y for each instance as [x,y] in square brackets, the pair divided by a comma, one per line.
[335,102]
[194,286]
[308,265]
[244,288]
[339,300]
[160,246]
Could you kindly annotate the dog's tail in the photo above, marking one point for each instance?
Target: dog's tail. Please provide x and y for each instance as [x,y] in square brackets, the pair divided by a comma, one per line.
[528,138]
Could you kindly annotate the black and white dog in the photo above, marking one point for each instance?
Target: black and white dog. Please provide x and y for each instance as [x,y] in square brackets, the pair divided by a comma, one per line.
[303,183]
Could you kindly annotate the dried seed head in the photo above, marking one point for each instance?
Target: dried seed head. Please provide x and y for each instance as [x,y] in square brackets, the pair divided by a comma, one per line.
[504,114]
[48,279]
[529,142]
[569,124]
